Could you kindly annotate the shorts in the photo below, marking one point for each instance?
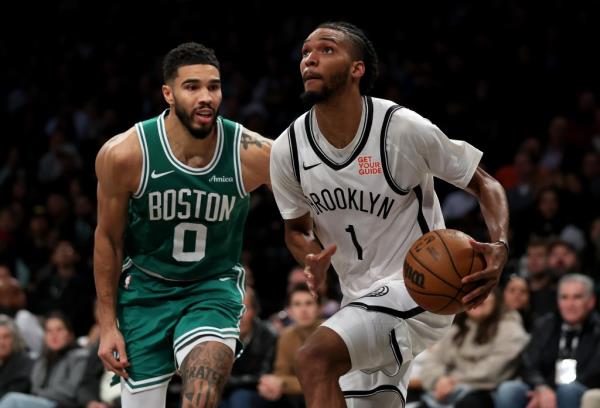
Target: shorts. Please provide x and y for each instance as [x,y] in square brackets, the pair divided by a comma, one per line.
[162,320]
[383,332]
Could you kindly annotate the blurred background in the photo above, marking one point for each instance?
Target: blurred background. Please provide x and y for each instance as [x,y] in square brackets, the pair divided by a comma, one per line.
[517,80]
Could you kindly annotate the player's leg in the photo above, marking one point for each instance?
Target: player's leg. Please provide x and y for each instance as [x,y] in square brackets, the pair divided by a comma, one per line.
[382,332]
[320,363]
[204,372]
[155,397]
[206,338]
[146,322]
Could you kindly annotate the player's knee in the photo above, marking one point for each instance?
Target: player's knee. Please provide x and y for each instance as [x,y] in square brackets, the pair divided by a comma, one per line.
[313,363]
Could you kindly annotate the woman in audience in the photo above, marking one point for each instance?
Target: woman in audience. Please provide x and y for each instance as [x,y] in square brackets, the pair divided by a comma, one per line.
[480,350]
[516,297]
[56,373]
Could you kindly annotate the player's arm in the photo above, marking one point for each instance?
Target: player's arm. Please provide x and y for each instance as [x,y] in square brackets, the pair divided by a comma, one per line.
[298,223]
[494,208]
[255,152]
[118,164]
[307,251]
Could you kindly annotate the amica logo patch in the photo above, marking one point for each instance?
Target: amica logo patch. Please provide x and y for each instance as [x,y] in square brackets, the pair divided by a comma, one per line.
[220,179]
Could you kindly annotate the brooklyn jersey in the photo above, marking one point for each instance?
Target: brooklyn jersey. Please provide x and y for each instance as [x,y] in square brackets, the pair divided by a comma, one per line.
[187,223]
[374,197]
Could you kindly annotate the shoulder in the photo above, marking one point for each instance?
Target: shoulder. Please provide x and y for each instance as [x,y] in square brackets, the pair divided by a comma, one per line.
[253,141]
[121,155]
[410,122]
[288,333]
[511,322]
[77,355]
[120,149]
[545,324]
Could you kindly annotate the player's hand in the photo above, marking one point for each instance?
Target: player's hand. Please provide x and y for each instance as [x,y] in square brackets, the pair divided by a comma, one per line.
[112,352]
[495,256]
[315,268]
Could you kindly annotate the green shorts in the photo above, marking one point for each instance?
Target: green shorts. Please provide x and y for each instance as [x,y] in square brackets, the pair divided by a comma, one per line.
[158,318]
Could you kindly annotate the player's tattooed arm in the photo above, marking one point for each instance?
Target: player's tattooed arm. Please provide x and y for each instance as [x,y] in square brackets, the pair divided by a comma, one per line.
[250,138]
[255,151]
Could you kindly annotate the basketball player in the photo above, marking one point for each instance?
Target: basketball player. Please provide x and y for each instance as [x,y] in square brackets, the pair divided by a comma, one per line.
[361,170]
[172,203]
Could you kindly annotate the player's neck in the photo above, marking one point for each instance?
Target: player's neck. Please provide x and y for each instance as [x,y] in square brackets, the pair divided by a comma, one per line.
[339,117]
[189,150]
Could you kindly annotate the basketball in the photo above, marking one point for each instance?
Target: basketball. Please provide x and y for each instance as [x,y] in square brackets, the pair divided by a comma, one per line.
[434,267]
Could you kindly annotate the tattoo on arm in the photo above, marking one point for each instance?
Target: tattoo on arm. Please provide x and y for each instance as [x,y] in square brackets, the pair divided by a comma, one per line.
[204,372]
[249,139]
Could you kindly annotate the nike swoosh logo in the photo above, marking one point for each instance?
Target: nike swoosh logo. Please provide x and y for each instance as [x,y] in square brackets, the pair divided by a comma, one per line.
[224,279]
[305,167]
[156,175]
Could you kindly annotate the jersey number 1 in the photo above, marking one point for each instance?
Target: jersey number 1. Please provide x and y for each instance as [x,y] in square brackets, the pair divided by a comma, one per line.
[359,249]
[199,243]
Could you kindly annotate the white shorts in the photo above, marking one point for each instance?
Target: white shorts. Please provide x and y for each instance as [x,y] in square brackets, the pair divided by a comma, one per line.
[383,331]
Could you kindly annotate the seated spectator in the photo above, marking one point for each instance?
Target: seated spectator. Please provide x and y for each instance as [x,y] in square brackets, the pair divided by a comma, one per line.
[12,303]
[257,359]
[281,319]
[304,311]
[56,373]
[480,351]
[89,392]
[516,297]
[562,259]
[541,279]
[66,285]
[15,364]
[562,359]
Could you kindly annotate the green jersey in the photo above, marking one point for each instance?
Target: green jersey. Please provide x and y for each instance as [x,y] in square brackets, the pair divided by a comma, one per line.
[187,223]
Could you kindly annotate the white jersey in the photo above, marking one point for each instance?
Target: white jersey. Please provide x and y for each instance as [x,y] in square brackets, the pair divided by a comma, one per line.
[374,197]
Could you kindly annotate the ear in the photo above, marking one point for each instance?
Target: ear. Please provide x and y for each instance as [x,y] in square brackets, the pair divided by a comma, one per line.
[167,92]
[358,69]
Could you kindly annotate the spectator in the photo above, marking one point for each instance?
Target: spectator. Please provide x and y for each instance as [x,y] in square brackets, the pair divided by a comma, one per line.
[562,359]
[304,311]
[12,303]
[478,353]
[259,351]
[15,364]
[516,297]
[57,373]
[66,285]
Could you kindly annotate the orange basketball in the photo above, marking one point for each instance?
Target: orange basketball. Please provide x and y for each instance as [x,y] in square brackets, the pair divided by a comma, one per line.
[435,266]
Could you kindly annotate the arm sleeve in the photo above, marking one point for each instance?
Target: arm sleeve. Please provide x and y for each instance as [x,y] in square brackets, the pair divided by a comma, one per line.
[286,189]
[416,142]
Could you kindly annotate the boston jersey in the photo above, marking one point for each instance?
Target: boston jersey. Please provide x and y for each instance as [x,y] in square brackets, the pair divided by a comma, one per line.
[374,197]
[187,223]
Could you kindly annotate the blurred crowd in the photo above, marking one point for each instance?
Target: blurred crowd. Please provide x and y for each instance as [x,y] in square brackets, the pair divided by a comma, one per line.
[517,81]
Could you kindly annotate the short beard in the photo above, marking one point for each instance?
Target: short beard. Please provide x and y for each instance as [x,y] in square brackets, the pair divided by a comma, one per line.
[197,133]
[338,81]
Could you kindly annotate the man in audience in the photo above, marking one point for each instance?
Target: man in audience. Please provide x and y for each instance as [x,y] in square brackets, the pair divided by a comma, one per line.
[562,359]
[259,350]
[304,311]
